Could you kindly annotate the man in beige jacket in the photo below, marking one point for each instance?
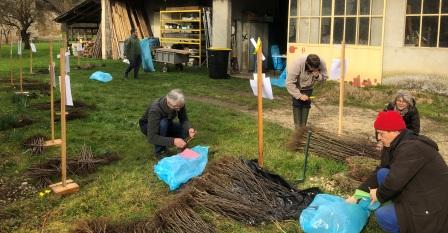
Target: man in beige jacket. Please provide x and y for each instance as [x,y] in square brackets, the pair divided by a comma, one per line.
[302,74]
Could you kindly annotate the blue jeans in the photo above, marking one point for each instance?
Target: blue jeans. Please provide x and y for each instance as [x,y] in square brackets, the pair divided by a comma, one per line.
[386,216]
[168,128]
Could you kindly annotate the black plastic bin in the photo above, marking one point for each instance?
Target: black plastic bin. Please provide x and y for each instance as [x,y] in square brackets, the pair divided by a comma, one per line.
[218,60]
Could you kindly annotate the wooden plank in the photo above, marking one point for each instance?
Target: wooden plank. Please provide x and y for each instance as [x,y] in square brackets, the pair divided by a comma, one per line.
[115,52]
[136,23]
[126,19]
[60,190]
[147,24]
[143,23]
[182,8]
[120,22]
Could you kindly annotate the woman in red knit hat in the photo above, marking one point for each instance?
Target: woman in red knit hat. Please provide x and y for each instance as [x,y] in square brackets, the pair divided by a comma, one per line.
[411,181]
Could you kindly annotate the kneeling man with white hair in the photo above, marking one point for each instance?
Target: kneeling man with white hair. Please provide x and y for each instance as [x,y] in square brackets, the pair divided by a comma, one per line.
[158,124]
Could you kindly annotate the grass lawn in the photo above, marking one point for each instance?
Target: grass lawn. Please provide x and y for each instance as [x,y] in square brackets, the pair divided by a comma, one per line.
[128,189]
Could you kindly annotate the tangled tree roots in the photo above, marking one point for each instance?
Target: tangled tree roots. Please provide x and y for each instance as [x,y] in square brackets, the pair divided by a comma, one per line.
[332,146]
[73,114]
[42,71]
[83,165]
[173,218]
[231,187]
[360,168]
[10,121]
[57,105]
[89,66]
[79,110]
[35,144]
[243,191]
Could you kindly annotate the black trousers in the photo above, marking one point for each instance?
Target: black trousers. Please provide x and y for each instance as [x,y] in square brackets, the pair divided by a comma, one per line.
[134,65]
[167,128]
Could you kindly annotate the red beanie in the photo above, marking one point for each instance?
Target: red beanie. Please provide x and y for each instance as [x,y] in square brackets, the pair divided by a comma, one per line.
[389,121]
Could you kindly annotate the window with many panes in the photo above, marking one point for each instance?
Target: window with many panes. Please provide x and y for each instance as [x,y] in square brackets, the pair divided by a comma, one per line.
[426,23]
[360,22]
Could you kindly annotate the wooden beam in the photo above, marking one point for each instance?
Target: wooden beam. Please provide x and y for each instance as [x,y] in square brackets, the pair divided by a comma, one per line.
[103,29]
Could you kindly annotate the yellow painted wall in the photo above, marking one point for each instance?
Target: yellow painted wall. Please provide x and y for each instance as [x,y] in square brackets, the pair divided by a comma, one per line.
[365,62]
[399,59]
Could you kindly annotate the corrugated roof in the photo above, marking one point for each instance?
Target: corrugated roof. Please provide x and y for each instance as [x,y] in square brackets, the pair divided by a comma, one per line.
[88,11]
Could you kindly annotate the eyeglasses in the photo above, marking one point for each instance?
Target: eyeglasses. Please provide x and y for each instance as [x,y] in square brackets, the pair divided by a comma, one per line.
[312,71]
[174,107]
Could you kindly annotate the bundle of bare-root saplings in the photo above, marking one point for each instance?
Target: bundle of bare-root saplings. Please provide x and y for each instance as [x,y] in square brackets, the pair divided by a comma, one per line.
[85,163]
[231,187]
[332,146]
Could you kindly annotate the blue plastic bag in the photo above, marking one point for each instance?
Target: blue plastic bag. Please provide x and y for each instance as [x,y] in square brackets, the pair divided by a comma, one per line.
[145,46]
[332,214]
[277,62]
[176,170]
[101,76]
[281,81]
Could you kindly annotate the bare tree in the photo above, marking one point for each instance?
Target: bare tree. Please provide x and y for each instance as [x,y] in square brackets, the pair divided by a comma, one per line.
[4,32]
[19,14]
[56,6]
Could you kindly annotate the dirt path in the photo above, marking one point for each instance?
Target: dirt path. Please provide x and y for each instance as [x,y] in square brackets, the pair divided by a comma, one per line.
[356,120]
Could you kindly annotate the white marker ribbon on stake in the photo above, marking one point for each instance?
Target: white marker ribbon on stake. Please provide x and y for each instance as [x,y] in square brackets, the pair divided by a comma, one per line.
[335,71]
[67,62]
[33,48]
[68,91]
[75,49]
[19,47]
[79,47]
[266,88]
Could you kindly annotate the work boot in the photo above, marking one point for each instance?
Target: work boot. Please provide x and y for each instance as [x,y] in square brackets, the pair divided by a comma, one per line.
[161,154]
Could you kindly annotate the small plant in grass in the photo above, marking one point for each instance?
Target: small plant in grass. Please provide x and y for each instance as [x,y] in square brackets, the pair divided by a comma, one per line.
[10,121]
[21,101]
[35,144]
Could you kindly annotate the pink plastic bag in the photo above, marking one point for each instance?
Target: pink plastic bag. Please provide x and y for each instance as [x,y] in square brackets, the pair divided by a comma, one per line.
[189,154]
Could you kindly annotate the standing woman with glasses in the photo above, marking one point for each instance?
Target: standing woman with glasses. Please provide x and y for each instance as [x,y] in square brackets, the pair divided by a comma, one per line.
[302,74]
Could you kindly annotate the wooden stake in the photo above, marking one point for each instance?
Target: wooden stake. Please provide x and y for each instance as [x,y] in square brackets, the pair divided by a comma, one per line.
[31,61]
[21,92]
[63,123]
[52,142]
[65,186]
[10,59]
[260,105]
[21,68]
[341,88]
[78,52]
[78,63]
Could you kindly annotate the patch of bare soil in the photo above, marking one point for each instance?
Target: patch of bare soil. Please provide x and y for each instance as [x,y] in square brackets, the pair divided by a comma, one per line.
[356,121]
[11,191]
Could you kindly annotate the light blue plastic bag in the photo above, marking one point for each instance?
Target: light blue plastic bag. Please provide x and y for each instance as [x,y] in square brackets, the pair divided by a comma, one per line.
[145,46]
[332,214]
[176,170]
[101,76]
[281,81]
